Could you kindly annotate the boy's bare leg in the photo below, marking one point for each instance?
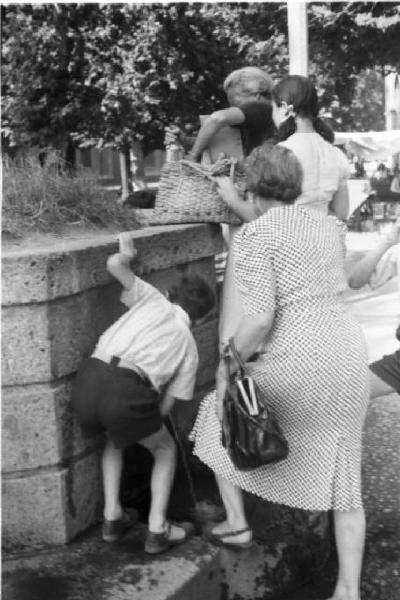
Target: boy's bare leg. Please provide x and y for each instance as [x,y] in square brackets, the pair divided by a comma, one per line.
[162,447]
[111,463]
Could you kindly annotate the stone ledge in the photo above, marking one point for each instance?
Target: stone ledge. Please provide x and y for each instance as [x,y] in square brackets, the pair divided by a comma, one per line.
[92,570]
[72,266]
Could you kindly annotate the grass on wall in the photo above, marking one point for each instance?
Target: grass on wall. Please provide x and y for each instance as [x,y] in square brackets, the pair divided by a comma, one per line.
[41,195]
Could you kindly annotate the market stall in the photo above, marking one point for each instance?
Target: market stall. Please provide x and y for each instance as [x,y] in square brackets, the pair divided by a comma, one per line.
[378,152]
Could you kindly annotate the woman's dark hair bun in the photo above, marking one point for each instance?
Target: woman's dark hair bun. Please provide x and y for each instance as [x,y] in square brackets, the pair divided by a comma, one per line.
[299,92]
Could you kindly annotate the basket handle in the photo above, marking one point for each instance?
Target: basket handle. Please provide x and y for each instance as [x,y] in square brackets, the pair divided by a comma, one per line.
[200,168]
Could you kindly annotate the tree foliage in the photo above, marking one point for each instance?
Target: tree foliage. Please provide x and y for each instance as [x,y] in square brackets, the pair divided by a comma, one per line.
[114,74]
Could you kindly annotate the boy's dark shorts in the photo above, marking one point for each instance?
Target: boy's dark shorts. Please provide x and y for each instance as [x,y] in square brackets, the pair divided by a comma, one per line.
[388,369]
[117,400]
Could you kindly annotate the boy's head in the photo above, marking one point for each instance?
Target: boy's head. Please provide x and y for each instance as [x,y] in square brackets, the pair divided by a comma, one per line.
[194,295]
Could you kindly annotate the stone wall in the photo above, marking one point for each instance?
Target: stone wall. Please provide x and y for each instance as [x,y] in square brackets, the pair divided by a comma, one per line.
[56,302]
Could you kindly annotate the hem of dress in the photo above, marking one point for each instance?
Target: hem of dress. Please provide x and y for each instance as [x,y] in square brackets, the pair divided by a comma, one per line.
[273,499]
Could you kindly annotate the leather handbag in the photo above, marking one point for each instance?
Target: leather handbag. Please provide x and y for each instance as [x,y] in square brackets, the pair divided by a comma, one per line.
[250,432]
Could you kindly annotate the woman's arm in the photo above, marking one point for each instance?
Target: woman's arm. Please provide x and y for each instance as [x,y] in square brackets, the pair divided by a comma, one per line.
[362,271]
[244,209]
[250,334]
[229,116]
[339,205]
[118,265]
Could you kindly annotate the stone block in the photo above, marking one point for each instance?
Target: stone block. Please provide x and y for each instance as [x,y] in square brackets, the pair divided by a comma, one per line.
[39,427]
[57,267]
[42,342]
[50,506]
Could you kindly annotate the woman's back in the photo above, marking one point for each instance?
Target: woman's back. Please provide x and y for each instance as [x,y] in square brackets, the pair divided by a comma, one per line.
[325,169]
[303,251]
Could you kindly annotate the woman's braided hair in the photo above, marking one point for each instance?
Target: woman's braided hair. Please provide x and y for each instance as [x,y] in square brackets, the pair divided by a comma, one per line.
[273,172]
[299,92]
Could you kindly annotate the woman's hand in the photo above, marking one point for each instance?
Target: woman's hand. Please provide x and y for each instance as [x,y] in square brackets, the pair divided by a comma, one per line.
[227,190]
[221,387]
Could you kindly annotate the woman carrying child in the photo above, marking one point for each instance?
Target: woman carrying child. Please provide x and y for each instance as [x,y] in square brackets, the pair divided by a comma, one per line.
[295,113]
[141,364]
[289,268]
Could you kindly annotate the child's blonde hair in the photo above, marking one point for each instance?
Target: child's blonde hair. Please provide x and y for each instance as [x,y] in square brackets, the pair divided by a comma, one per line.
[251,80]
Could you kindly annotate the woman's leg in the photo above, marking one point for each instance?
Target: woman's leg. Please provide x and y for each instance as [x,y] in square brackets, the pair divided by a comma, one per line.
[162,447]
[111,463]
[350,537]
[232,498]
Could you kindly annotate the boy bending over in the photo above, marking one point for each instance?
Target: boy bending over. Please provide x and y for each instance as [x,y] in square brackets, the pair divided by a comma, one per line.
[141,364]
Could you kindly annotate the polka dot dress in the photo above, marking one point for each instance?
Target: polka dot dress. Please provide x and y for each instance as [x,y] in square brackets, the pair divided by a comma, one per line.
[313,369]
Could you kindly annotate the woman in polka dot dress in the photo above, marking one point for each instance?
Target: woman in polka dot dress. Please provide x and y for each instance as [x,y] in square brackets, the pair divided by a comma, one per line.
[289,267]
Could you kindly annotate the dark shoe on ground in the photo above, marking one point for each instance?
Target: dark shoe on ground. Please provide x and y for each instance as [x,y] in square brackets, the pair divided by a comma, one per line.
[227,538]
[174,534]
[112,531]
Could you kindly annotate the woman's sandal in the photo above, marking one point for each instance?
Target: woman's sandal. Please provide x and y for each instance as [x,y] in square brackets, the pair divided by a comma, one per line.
[219,538]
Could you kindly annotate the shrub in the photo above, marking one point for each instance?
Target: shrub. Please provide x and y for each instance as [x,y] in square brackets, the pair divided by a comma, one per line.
[41,194]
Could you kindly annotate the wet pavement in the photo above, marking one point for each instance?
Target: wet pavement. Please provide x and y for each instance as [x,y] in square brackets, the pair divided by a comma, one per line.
[89,569]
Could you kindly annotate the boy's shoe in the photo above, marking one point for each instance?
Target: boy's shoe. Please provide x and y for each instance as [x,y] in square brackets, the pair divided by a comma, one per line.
[111,531]
[160,542]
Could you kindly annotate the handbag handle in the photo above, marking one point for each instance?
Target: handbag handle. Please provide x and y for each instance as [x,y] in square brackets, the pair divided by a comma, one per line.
[236,355]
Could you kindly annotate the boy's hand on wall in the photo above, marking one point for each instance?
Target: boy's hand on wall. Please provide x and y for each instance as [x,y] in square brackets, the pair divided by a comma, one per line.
[126,245]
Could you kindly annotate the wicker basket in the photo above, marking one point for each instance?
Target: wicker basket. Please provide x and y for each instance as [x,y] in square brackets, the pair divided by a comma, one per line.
[187,194]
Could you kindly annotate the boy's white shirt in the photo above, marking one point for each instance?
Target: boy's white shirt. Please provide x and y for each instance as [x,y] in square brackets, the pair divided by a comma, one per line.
[155,336]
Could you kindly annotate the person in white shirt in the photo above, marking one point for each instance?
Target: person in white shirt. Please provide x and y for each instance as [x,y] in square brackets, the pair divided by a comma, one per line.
[141,364]
[378,266]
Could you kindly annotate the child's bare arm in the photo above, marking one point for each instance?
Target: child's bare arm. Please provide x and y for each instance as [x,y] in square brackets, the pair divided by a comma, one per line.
[118,265]
[167,404]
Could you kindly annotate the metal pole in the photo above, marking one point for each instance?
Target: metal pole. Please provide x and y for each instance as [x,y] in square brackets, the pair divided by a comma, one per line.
[298,37]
